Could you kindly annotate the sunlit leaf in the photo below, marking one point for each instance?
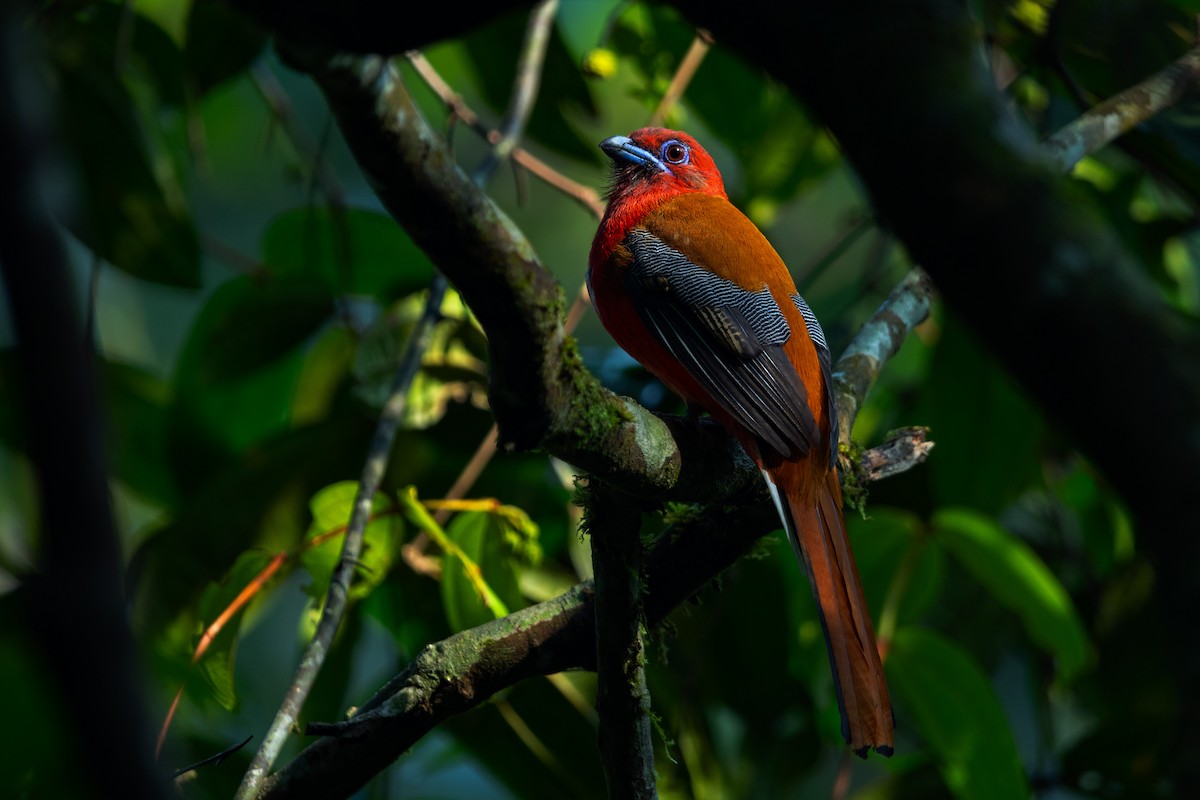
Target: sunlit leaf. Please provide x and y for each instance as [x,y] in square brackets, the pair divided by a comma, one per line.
[480,536]
[216,666]
[451,369]
[481,547]
[942,690]
[331,510]
[1016,577]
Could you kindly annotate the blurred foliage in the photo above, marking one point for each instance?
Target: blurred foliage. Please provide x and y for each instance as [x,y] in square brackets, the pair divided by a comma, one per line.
[250,301]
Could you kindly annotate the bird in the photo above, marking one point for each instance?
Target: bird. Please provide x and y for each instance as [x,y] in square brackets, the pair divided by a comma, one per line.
[690,287]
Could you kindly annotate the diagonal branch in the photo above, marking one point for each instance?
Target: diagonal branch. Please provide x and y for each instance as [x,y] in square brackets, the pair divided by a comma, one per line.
[1123,112]
[338,596]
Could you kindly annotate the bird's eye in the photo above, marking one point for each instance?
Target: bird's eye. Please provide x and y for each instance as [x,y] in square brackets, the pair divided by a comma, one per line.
[675,153]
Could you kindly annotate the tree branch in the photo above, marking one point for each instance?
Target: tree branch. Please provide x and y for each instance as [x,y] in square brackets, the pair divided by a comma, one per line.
[1123,112]
[614,522]
[876,342]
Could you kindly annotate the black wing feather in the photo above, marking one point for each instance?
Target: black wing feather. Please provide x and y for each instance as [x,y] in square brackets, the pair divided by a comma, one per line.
[730,339]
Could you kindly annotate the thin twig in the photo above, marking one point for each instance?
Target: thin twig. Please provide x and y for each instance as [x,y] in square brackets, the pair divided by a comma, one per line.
[231,256]
[525,86]
[214,759]
[584,195]
[248,593]
[683,75]
[338,594]
[277,100]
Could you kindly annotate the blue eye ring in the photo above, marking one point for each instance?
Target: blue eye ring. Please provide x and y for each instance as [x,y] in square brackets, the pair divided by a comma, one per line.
[675,152]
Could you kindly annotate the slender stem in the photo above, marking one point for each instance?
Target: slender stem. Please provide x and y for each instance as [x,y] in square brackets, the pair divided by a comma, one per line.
[584,195]
[890,612]
[683,75]
[280,104]
[337,598]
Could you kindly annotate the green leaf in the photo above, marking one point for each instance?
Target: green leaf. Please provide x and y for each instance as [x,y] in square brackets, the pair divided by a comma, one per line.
[133,213]
[221,42]
[349,251]
[480,536]
[216,665]
[136,403]
[481,547]
[451,368]
[325,370]
[331,509]
[168,15]
[1019,579]
[998,438]
[249,324]
[955,710]
[882,544]
[236,377]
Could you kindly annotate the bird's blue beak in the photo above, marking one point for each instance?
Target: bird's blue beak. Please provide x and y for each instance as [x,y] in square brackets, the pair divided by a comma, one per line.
[622,148]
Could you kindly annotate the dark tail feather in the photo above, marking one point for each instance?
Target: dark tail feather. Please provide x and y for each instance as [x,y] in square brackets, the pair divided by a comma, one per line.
[818,534]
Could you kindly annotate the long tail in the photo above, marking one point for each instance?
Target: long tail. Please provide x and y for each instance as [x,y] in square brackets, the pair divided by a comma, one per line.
[817,532]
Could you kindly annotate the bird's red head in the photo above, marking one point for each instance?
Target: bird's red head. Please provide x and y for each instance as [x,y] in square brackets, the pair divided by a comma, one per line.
[649,166]
[659,162]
